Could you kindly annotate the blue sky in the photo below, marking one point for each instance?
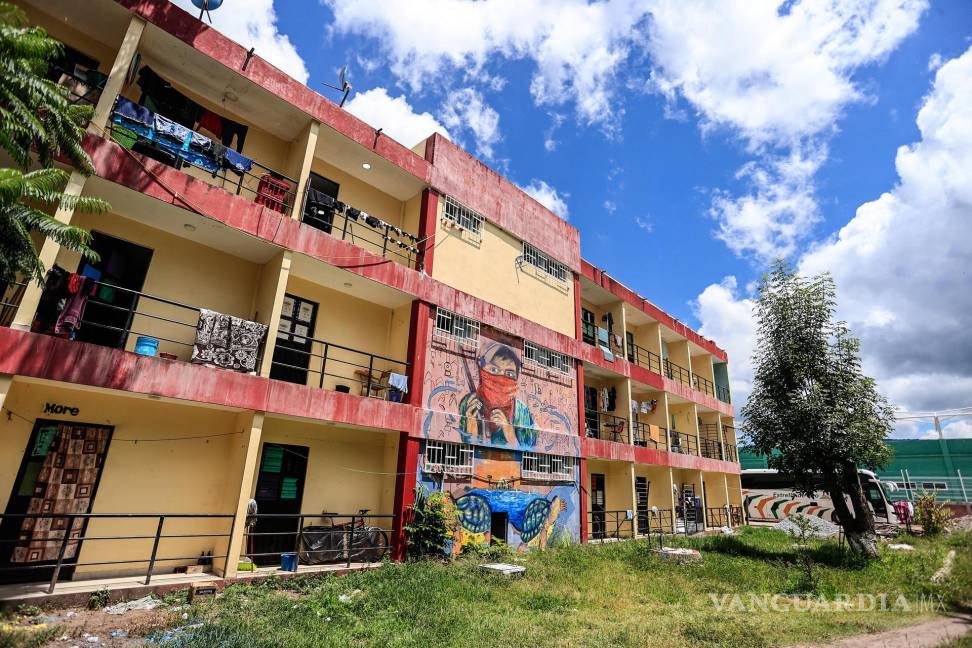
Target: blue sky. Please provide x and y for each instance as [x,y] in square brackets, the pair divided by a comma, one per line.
[692,142]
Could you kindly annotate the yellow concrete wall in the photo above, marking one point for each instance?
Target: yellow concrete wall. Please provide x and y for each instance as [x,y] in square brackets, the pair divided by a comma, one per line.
[488,270]
[678,353]
[170,476]
[684,416]
[647,337]
[63,32]
[411,214]
[180,270]
[658,417]
[715,489]
[660,484]
[354,323]
[702,365]
[347,470]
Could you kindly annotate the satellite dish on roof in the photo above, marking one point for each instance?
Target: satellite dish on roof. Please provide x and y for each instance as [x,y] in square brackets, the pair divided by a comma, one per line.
[205,6]
[345,87]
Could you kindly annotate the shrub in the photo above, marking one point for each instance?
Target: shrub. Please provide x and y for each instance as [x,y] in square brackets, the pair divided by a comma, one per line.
[489,552]
[430,524]
[99,599]
[931,514]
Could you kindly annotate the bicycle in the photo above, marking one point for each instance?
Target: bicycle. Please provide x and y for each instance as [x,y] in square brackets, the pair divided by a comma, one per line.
[329,542]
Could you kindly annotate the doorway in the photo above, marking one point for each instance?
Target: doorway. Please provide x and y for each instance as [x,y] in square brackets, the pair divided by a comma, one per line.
[60,471]
[108,314]
[291,355]
[641,504]
[279,492]
[499,523]
[590,412]
[598,510]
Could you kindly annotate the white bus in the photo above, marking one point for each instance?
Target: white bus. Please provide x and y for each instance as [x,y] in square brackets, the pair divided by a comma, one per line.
[769,497]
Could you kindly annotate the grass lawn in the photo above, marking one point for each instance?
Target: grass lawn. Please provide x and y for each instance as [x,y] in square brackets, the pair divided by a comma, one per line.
[618,594]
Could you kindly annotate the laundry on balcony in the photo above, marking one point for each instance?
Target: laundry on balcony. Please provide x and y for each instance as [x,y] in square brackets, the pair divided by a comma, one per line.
[169,141]
[604,343]
[320,210]
[227,341]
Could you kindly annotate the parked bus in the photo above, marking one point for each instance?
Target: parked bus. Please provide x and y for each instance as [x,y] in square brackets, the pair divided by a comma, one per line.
[769,497]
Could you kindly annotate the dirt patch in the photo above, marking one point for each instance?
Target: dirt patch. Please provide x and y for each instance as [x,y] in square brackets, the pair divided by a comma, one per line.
[77,627]
[924,635]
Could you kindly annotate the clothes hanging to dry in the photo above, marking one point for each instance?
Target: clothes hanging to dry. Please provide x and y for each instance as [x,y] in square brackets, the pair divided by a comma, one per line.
[70,318]
[227,341]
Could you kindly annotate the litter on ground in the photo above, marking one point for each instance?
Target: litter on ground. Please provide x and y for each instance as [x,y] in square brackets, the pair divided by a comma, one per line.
[145,603]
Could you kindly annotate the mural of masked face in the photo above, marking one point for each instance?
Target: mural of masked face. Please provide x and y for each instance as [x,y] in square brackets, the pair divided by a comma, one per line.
[499,369]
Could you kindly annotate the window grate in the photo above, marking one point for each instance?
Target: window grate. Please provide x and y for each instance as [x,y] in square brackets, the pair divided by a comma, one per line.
[534,465]
[462,216]
[546,358]
[545,263]
[457,326]
[448,458]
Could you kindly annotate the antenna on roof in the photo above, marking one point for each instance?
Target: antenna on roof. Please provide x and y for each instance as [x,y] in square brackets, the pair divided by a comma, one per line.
[205,6]
[345,87]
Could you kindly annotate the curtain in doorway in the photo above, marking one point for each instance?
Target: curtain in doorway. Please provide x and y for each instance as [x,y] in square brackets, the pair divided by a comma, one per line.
[65,484]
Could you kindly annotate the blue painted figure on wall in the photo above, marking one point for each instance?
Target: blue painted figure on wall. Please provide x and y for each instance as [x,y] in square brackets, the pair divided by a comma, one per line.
[492,413]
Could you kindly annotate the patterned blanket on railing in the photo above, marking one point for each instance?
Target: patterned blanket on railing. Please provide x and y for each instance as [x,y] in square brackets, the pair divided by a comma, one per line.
[227,341]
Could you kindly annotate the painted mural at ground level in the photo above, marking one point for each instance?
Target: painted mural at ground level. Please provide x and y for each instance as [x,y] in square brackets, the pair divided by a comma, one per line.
[484,392]
[496,503]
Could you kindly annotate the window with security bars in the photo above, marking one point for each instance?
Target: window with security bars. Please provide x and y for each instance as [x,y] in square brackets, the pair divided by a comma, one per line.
[534,465]
[544,263]
[457,326]
[546,358]
[462,216]
[449,458]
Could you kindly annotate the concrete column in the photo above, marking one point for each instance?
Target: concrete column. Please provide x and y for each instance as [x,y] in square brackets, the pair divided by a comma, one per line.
[428,219]
[252,435]
[47,254]
[116,77]
[668,420]
[300,159]
[583,484]
[270,295]
[408,454]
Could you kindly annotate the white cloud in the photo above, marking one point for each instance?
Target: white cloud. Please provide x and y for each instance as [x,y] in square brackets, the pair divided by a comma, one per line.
[256,26]
[576,46]
[465,109]
[395,115]
[610,206]
[771,75]
[779,209]
[778,76]
[644,224]
[935,61]
[960,429]
[901,264]
[548,197]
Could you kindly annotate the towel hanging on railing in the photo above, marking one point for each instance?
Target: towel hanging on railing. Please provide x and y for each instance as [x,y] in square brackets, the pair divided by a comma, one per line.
[227,341]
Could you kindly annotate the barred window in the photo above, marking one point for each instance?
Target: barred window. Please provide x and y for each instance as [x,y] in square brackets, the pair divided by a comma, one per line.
[534,465]
[546,357]
[449,458]
[457,326]
[462,216]
[544,263]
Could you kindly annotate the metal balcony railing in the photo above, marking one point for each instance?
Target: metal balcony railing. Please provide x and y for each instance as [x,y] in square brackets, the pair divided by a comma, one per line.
[677,372]
[114,316]
[607,427]
[731,454]
[711,448]
[642,436]
[617,525]
[250,178]
[329,537]
[703,385]
[683,443]
[364,230]
[724,516]
[645,358]
[337,367]
[78,523]
[82,89]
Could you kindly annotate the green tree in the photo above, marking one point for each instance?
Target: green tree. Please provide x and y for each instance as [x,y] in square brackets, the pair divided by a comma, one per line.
[38,124]
[811,402]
